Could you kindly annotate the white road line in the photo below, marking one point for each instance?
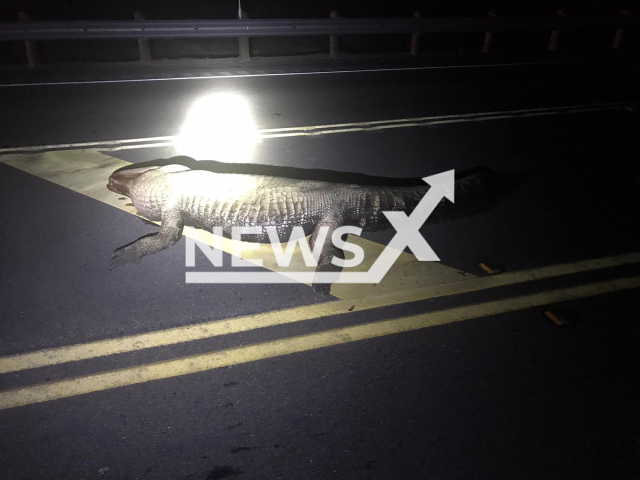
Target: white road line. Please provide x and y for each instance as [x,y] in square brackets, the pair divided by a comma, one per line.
[456,115]
[421,122]
[143,145]
[284,74]
[373,128]
[316,130]
[62,146]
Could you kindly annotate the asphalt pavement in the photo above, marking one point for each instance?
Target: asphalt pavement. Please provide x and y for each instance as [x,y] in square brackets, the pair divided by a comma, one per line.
[467,379]
[129,109]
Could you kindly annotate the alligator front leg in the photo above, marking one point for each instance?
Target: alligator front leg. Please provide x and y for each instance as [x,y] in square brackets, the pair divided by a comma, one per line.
[170,232]
[330,222]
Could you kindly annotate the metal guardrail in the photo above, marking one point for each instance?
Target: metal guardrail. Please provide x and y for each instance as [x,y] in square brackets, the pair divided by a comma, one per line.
[35,30]
[30,31]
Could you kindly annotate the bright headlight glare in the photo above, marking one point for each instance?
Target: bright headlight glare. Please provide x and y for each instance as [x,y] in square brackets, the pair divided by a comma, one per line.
[219,127]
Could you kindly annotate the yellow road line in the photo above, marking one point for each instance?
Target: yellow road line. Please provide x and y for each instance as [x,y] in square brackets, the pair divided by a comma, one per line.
[208,361]
[215,328]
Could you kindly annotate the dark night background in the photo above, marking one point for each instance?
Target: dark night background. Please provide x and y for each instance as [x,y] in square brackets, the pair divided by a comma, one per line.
[189,9]
[63,51]
[502,396]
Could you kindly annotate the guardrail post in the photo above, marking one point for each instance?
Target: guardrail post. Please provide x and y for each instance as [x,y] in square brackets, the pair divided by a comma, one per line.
[143,43]
[488,35]
[553,41]
[617,40]
[415,37]
[334,40]
[33,58]
[243,43]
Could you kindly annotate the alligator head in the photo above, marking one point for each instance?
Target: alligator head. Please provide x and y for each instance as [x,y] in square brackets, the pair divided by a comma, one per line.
[120,181]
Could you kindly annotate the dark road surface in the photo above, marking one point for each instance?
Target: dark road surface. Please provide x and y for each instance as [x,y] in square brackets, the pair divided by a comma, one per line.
[41,115]
[497,396]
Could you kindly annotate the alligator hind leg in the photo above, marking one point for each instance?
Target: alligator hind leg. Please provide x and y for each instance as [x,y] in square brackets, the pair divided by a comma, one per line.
[329,223]
[170,232]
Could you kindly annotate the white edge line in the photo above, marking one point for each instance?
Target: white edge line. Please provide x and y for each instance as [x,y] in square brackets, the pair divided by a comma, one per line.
[376,126]
[314,130]
[284,74]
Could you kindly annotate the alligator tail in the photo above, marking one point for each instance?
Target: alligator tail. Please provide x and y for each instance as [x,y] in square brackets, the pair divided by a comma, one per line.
[476,191]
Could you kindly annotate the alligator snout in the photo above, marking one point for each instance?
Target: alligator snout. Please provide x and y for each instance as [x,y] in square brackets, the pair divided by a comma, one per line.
[117,186]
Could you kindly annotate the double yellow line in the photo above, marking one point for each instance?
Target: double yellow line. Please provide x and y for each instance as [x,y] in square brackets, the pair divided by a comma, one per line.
[192,364]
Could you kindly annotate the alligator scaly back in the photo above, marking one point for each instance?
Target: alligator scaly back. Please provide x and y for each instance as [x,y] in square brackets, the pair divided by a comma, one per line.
[179,196]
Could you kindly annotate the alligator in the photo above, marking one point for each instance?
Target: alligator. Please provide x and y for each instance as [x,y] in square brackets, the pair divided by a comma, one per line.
[178,196]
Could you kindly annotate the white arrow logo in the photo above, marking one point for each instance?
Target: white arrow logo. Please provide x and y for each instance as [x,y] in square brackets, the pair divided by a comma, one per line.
[442,185]
[408,235]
